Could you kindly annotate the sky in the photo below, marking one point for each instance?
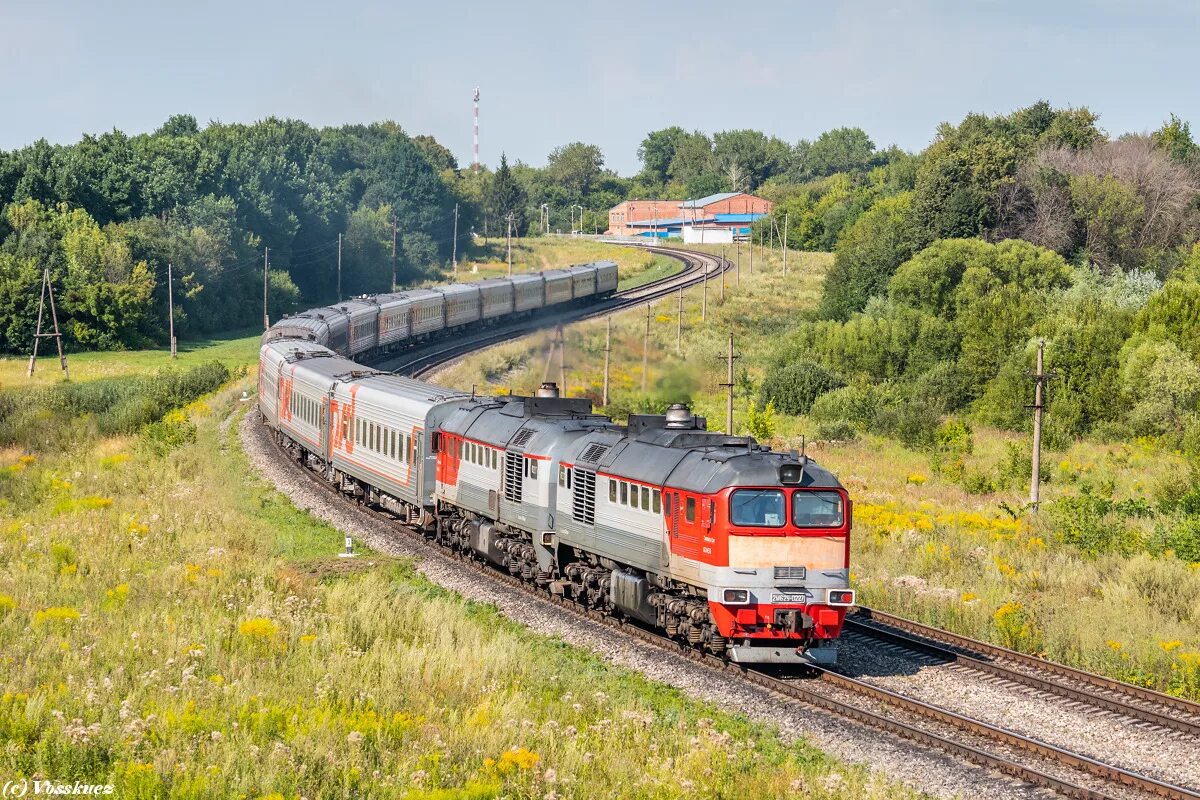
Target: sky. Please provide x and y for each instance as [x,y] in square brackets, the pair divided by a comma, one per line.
[550,73]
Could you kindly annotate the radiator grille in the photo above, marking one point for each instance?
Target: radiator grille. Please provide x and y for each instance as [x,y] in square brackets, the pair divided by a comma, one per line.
[785,573]
[513,462]
[522,438]
[584,507]
[593,452]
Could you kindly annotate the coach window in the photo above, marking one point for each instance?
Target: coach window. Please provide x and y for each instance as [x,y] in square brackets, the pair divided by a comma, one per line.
[624,493]
[657,507]
[691,509]
[612,491]
[645,499]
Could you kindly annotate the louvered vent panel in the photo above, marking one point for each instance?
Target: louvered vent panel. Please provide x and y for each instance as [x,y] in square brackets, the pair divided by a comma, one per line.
[593,452]
[522,438]
[784,573]
[512,476]
[584,507]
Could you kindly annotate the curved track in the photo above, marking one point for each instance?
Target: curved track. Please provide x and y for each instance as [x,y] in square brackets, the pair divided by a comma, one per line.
[697,268]
[1023,757]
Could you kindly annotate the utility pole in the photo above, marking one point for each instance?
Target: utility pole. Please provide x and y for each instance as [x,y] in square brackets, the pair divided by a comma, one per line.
[454,246]
[394,230]
[171,309]
[47,289]
[562,362]
[266,266]
[607,352]
[646,350]
[475,163]
[679,325]
[1039,378]
[785,238]
[728,385]
[339,277]
[509,239]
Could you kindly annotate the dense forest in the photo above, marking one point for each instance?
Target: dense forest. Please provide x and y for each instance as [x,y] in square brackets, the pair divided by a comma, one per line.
[949,263]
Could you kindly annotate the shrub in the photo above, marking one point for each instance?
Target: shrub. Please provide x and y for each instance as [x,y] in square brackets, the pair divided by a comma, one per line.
[943,386]
[792,387]
[855,405]
[1183,537]
[914,424]
[835,431]
[953,442]
[761,424]
[1096,524]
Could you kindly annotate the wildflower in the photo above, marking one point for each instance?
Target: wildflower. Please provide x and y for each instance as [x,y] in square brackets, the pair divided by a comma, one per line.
[258,628]
[916,478]
[969,597]
[118,593]
[1114,645]
[308,638]
[7,603]
[217,679]
[63,614]
[1167,647]
[95,501]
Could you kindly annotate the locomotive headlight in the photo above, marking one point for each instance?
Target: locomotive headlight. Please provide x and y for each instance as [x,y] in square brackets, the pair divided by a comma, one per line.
[736,596]
[841,597]
[791,473]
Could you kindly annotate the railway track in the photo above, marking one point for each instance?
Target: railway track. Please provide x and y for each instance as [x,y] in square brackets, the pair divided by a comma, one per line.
[1135,702]
[697,267]
[1023,757]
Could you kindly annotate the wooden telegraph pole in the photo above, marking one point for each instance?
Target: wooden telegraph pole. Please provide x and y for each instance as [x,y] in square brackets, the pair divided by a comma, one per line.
[785,238]
[47,289]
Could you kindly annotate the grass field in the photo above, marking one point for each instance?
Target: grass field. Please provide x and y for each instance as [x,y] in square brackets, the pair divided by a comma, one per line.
[924,545]
[172,626]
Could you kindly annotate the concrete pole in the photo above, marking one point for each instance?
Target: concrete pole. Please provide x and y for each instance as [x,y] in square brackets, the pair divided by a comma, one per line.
[1039,380]
[607,353]
[171,309]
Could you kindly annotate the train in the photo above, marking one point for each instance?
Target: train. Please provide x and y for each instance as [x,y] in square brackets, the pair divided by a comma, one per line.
[373,325]
[716,540]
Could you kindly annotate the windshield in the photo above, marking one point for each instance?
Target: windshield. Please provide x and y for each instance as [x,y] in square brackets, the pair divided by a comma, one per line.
[817,509]
[757,507]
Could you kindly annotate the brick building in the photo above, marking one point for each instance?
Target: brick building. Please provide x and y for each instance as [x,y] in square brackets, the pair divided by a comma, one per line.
[727,211]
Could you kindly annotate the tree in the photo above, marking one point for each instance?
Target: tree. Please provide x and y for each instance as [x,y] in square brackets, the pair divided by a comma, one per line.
[506,196]
[657,151]
[1175,138]
[867,254]
[438,156]
[839,150]
[748,157]
[576,167]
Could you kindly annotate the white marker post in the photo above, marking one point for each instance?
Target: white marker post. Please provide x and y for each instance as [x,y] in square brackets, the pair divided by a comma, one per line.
[349,549]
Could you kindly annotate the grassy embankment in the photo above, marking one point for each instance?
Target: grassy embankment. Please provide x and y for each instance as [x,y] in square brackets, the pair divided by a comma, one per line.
[924,546]
[173,626]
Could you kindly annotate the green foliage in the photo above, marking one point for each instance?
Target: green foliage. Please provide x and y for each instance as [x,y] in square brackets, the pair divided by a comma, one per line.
[53,417]
[868,252]
[1175,137]
[1110,212]
[1174,313]
[1162,384]
[952,443]
[1095,523]
[792,386]
[761,423]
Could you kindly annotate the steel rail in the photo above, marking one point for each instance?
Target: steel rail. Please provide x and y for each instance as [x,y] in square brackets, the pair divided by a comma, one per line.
[1017,676]
[870,617]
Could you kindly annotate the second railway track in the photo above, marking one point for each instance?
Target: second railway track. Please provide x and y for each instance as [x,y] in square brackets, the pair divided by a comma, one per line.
[1023,757]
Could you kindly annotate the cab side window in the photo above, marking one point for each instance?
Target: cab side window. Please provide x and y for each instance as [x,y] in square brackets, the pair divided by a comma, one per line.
[690,513]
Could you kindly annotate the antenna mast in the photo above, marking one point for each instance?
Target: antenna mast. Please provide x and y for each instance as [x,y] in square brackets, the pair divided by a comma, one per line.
[475,163]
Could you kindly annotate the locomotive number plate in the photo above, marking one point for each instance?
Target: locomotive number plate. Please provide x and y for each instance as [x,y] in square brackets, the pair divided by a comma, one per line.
[789,598]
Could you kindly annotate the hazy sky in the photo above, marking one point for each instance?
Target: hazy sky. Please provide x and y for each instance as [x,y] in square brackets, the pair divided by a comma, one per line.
[607,73]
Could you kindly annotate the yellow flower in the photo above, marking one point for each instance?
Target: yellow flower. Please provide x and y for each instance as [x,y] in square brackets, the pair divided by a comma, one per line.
[517,758]
[1167,647]
[1114,645]
[216,679]
[7,603]
[916,478]
[95,501]
[258,628]
[969,597]
[63,614]
[308,638]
